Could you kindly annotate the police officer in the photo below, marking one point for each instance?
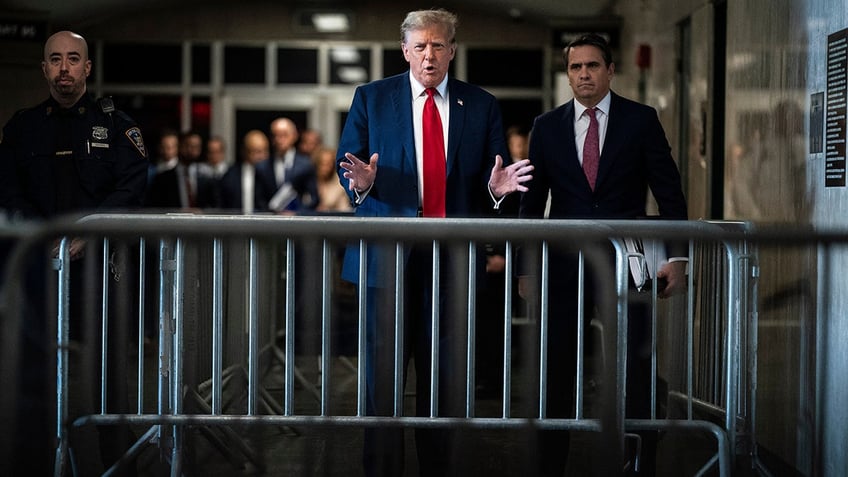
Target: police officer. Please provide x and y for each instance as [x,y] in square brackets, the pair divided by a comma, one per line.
[70,154]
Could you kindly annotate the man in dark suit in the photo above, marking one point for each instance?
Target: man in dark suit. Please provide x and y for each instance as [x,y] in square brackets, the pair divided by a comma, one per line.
[247,186]
[183,186]
[386,124]
[632,155]
[296,181]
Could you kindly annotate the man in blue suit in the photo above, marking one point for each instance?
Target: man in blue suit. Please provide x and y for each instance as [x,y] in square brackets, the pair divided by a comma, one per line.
[386,124]
[633,155]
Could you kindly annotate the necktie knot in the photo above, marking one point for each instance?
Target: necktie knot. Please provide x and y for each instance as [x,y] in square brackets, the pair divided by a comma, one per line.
[431,92]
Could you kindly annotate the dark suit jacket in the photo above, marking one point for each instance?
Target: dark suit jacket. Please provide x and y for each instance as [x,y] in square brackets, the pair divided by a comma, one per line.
[164,191]
[231,188]
[635,156]
[380,120]
[301,176]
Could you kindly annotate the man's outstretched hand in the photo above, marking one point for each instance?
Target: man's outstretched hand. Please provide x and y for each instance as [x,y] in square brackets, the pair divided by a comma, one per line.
[509,179]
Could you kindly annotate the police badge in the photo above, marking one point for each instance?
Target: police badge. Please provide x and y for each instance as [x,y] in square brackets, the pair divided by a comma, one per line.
[100,133]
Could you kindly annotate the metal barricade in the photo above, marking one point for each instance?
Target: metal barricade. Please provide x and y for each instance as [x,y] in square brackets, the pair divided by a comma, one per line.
[201,261]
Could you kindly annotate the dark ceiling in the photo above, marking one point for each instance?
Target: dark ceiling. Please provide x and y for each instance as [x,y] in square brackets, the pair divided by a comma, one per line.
[68,12]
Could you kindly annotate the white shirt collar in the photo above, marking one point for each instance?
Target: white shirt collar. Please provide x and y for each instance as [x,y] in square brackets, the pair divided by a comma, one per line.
[603,105]
[418,88]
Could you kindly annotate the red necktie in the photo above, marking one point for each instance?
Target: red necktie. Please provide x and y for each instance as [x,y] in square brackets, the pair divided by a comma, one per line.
[434,159]
[591,149]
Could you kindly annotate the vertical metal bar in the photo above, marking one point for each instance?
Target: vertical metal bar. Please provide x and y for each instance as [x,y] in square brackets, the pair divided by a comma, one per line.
[434,333]
[361,330]
[291,279]
[217,324]
[104,330]
[507,324]
[823,312]
[581,332]
[253,329]
[690,333]
[543,332]
[61,266]
[655,268]
[732,343]
[177,369]
[142,287]
[163,405]
[472,326]
[326,314]
[621,274]
[399,332]
[753,344]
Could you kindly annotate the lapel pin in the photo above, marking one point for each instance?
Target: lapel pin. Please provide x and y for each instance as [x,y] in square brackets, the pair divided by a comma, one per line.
[459,102]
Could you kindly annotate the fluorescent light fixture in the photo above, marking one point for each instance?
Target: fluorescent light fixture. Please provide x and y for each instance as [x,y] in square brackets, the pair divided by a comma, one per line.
[345,54]
[352,74]
[331,22]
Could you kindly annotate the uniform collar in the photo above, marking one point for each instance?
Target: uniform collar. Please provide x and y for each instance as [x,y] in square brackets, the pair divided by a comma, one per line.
[78,109]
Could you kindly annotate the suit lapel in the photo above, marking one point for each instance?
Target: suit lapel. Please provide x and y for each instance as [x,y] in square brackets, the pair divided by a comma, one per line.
[614,139]
[401,98]
[456,103]
[569,143]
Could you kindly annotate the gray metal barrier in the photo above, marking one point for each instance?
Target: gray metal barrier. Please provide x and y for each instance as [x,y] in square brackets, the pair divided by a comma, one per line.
[200,255]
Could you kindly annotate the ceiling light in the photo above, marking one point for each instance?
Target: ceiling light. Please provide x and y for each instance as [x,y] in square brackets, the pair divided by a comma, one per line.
[330,22]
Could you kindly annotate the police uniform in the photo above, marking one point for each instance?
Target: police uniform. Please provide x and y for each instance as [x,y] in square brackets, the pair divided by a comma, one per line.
[86,158]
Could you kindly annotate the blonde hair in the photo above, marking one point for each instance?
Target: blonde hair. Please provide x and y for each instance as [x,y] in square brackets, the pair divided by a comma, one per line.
[421,19]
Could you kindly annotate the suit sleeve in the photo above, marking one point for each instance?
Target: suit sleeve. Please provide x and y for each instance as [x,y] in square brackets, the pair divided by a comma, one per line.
[663,175]
[354,138]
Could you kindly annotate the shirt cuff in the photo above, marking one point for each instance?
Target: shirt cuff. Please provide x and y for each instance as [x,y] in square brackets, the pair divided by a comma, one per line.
[497,202]
[680,259]
[361,196]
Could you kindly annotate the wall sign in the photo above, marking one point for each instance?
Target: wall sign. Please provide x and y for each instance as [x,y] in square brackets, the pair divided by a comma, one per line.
[23,30]
[837,82]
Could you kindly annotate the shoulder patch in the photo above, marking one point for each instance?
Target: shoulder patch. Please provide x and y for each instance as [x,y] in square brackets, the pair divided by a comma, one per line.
[134,134]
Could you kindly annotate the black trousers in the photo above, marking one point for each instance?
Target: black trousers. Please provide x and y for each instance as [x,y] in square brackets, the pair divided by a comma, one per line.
[599,301]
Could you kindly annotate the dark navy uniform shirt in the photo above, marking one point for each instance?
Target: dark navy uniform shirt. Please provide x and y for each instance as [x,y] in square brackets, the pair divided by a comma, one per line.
[55,161]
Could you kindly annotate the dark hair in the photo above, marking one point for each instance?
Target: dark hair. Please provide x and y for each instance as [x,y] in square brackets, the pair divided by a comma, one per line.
[590,39]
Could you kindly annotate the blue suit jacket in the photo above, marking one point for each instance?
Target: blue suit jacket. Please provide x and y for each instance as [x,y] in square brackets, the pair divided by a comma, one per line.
[380,120]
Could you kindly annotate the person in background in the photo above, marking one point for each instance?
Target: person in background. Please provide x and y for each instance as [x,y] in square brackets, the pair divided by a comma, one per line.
[247,187]
[310,141]
[331,194]
[447,163]
[183,187]
[216,164]
[167,154]
[597,156]
[293,171]
[518,141]
[71,154]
